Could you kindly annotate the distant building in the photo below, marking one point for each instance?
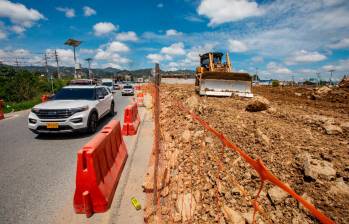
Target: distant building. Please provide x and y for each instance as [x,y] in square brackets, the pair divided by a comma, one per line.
[263,82]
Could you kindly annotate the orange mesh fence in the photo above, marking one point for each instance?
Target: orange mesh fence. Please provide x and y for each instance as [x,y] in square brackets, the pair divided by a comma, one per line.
[262,170]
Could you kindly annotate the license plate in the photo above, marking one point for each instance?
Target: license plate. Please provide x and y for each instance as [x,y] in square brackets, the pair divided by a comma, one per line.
[52,125]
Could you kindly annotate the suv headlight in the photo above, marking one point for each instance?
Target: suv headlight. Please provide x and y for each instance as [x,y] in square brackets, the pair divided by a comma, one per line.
[79,109]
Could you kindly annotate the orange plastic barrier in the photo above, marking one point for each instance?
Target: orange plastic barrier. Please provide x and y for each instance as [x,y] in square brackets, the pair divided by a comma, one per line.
[99,167]
[131,120]
[140,98]
[262,170]
[137,87]
[2,104]
[44,98]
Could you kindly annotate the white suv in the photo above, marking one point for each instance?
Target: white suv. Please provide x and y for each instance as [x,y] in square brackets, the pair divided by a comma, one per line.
[72,109]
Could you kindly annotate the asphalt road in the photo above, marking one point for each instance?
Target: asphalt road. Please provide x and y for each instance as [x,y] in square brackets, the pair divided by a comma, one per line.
[37,174]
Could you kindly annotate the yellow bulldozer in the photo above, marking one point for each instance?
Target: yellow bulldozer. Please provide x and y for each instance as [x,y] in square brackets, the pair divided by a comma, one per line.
[215,78]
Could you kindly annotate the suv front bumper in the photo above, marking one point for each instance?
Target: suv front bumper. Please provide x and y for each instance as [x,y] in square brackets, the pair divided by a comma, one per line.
[64,125]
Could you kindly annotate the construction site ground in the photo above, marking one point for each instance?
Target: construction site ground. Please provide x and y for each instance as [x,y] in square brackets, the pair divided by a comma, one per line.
[303,138]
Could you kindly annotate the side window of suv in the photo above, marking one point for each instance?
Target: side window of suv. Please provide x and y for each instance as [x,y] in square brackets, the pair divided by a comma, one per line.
[99,92]
[104,91]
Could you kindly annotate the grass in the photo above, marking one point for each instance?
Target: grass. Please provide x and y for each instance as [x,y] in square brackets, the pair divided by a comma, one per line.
[12,106]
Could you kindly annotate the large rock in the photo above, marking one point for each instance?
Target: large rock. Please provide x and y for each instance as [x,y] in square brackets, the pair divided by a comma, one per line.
[258,103]
[315,168]
[308,199]
[340,187]
[332,129]
[232,216]
[186,206]
[277,195]
[323,90]
[345,126]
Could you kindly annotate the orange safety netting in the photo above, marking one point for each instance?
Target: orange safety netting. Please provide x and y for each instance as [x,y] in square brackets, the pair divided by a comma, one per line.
[262,170]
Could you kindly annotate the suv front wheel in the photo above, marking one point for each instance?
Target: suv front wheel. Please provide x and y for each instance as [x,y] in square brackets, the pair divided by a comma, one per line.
[112,110]
[92,123]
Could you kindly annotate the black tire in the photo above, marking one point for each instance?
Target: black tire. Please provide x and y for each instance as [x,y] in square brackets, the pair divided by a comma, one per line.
[112,109]
[92,123]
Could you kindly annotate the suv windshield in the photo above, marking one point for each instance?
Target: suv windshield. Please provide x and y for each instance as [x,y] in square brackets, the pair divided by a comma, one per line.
[107,84]
[128,87]
[75,94]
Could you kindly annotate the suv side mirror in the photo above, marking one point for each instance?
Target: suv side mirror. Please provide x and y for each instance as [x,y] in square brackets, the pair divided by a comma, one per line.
[100,97]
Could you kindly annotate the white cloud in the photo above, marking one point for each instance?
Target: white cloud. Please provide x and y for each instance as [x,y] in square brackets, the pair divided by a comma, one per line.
[305,57]
[117,46]
[104,28]
[237,46]
[24,57]
[17,29]
[69,12]
[174,49]
[111,65]
[160,5]
[277,69]
[157,58]
[222,11]
[110,54]
[343,43]
[88,11]
[191,58]
[66,56]
[127,36]
[340,66]
[172,32]
[19,15]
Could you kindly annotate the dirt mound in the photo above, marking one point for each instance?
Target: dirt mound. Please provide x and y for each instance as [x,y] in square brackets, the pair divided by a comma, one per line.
[258,103]
[290,140]
[344,83]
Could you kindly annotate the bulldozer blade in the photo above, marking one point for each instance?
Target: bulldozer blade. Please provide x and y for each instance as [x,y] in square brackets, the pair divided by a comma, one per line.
[225,84]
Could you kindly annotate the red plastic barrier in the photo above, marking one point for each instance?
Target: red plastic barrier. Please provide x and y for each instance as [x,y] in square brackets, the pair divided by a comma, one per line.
[131,120]
[140,98]
[44,98]
[2,104]
[99,167]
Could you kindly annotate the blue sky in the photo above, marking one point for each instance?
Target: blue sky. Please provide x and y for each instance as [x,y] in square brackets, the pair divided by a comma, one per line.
[281,39]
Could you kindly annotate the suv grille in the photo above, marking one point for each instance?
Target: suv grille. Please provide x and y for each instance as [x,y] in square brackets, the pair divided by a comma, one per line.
[54,114]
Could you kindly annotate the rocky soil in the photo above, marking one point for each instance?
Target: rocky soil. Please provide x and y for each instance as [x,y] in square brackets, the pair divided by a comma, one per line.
[301,135]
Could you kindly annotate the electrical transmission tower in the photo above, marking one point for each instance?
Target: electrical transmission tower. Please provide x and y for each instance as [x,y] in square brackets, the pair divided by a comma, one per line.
[318,78]
[331,71]
[47,72]
[56,58]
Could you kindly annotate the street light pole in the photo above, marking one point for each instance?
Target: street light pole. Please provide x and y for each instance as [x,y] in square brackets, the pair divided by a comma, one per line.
[73,43]
[89,60]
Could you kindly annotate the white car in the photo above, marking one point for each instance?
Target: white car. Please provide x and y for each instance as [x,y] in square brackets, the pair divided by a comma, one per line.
[127,90]
[72,109]
[108,83]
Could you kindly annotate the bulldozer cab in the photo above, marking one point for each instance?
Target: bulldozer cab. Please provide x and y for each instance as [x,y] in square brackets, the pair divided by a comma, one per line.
[205,59]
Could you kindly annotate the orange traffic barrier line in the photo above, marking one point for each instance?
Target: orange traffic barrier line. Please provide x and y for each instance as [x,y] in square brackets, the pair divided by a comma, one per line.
[258,165]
